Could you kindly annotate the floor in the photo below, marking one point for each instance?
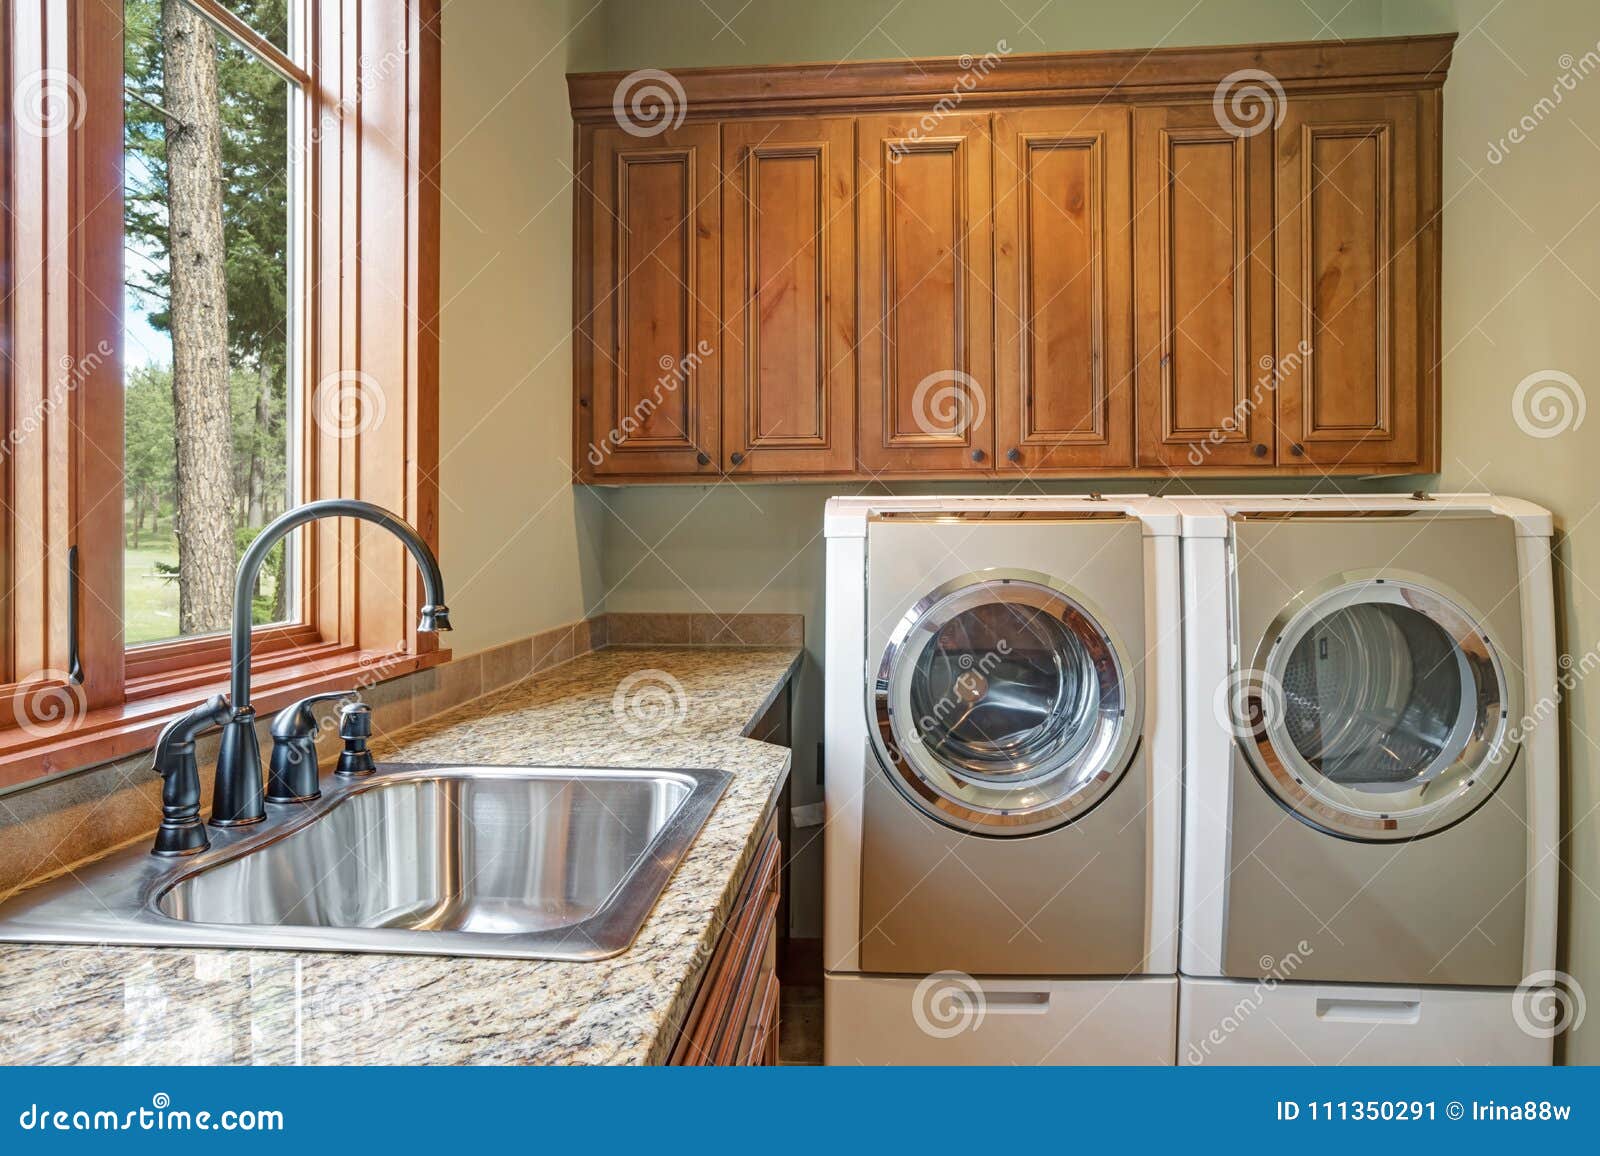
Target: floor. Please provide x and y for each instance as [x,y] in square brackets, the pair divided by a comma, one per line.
[800,1003]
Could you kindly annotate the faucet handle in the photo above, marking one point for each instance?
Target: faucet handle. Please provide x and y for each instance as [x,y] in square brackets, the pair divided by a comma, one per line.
[181,831]
[292,777]
[296,719]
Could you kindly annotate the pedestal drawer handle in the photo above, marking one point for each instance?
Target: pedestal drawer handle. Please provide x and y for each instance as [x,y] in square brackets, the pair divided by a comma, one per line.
[1370,1011]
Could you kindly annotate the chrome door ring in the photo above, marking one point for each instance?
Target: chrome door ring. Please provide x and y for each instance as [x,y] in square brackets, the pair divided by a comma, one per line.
[1005,803]
[1445,796]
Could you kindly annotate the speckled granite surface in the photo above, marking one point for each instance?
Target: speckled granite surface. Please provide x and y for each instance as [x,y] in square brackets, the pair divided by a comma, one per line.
[127,1005]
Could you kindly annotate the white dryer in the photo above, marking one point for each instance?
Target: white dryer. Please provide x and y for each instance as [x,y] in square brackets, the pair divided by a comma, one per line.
[1371,780]
[1002,786]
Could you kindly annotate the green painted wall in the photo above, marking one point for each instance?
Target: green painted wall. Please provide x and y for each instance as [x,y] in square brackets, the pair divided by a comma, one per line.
[1521,294]
[688,33]
[520,545]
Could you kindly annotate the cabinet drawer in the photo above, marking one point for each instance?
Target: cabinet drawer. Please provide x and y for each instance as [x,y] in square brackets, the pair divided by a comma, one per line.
[1303,1023]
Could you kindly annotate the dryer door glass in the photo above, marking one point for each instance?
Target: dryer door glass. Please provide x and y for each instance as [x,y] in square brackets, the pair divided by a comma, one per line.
[1002,706]
[1381,711]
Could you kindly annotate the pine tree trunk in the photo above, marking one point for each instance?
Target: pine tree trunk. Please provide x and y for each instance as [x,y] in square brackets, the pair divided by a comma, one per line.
[199,312]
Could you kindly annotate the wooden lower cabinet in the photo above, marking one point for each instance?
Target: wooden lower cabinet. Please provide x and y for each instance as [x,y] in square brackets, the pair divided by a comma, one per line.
[734,1017]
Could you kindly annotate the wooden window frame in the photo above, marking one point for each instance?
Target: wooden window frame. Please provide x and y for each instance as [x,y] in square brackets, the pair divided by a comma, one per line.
[370,186]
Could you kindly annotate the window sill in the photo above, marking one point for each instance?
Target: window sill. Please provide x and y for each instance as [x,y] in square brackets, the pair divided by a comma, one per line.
[111,733]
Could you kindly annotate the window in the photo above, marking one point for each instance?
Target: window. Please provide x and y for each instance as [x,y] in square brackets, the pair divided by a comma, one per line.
[218,261]
[211,191]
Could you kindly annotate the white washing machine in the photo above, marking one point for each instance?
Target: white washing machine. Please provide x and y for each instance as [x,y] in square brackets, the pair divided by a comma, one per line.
[1002,780]
[1371,780]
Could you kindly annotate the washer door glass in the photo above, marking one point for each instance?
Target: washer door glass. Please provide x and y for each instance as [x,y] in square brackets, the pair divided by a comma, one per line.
[1380,711]
[1001,705]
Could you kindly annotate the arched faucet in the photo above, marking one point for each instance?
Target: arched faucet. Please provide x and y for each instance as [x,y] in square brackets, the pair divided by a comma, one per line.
[239,799]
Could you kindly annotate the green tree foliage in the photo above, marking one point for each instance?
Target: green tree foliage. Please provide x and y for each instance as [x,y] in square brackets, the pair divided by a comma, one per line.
[149,482]
[147,460]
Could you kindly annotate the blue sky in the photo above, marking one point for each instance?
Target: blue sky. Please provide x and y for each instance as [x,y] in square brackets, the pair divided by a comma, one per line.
[143,344]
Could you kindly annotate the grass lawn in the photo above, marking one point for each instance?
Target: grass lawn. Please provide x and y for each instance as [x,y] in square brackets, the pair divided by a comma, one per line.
[150,602]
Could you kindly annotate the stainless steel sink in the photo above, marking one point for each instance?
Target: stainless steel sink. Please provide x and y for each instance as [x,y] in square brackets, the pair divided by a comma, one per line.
[530,862]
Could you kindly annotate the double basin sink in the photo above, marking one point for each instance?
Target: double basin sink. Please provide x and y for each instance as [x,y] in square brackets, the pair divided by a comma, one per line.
[517,862]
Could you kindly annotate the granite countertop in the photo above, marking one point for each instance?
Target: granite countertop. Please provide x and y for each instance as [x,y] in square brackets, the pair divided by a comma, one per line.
[134,1005]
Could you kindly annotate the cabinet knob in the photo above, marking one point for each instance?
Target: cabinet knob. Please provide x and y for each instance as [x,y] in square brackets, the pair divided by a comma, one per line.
[702,458]
[977,455]
[1013,454]
[736,457]
[1298,450]
[1260,450]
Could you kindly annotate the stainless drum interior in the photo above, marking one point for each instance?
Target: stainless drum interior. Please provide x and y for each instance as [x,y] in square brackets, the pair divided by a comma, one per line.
[1378,709]
[1002,704]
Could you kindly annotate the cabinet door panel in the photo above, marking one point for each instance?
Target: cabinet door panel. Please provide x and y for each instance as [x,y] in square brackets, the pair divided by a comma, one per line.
[789,393]
[927,339]
[1064,283]
[655,362]
[1204,261]
[1349,356]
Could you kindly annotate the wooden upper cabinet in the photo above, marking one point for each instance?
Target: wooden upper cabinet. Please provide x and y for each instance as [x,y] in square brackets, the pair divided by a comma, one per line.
[926,341]
[1204,266]
[653,304]
[1064,396]
[788,357]
[1355,353]
[1221,260]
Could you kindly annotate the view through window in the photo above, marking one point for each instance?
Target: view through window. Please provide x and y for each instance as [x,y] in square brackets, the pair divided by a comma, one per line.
[211,349]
